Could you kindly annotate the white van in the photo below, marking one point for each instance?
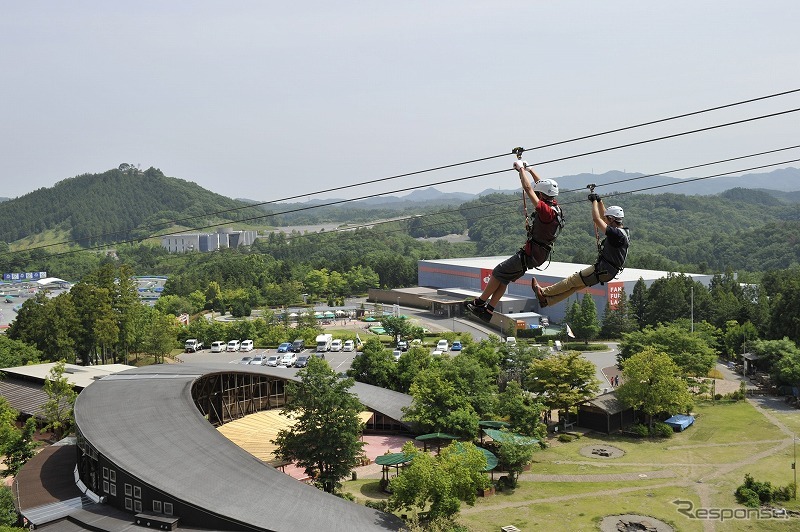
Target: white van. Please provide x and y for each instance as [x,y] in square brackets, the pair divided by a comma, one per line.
[233,345]
[247,345]
[336,345]
[217,347]
[349,345]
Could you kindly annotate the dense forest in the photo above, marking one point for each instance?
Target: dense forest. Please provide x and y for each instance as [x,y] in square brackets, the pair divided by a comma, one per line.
[117,205]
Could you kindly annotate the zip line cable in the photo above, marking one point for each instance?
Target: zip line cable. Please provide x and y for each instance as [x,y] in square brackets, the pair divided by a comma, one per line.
[453,165]
[687,168]
[516,200]
[454,180]
[683,181]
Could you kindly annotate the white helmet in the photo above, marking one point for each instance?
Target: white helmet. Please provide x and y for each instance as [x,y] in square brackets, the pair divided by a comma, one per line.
[615,212]
[547,187]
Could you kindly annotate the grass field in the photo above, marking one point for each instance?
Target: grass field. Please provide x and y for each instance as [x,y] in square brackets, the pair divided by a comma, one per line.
[701,466]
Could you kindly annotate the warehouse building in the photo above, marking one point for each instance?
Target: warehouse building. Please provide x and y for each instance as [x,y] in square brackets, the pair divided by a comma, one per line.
[470,275]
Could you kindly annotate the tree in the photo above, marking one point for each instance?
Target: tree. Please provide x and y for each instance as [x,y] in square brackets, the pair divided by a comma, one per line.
[410,365]
[737,336]
[8,512]
[563,380]
[522,411]
[16,353]
[438,406]
[325,440]
[396,327]
[653,384]
[441,481]
[20,448]
[619,320]
[375,365]
[57,410]
[638,302]
[583,319]
[515,455]
[690,351]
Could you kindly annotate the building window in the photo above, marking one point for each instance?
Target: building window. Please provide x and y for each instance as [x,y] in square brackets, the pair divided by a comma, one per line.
[137,492]
[112,475]
[113,490]
[128,490]
[137,506]
[157,507]
[105,472]
[105,486]
[128,504]
[168,508]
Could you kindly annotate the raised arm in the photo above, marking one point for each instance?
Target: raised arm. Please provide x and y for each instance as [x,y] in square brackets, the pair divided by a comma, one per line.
[520,166]
[597,215]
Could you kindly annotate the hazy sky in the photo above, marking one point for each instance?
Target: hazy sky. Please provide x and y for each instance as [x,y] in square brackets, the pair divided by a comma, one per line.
[267,99]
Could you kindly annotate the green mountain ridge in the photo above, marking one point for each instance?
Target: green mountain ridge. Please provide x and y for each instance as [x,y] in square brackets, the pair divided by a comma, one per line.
[118,205]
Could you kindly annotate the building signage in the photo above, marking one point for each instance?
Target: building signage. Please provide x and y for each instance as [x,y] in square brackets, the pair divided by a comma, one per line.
[28,276]
[614,294]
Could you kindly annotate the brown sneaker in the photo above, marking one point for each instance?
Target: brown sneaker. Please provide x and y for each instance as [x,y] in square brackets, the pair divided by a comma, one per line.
[539,294]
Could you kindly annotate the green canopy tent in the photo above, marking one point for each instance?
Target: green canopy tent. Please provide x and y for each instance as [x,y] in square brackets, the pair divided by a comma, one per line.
[493,425]
[438,437]
[491,459]
[396,460]
[504,436]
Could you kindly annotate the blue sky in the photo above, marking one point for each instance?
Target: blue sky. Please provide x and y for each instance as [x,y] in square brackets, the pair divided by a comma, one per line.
[267,100]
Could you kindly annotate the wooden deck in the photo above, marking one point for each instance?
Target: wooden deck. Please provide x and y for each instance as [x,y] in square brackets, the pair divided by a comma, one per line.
[254,433]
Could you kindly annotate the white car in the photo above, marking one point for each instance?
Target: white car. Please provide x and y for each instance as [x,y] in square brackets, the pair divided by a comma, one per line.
[443,346]
[233,345]
[288,360]
[336,345]
[396,355]
[511,341]
[273,360]
[257,360]
[247,345]
[217,347]
[349,345]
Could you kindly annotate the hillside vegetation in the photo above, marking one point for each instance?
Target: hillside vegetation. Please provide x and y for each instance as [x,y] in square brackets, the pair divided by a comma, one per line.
[116,205]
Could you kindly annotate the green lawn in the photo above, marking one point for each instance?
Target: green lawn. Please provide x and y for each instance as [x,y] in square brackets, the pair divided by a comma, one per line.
[709,460]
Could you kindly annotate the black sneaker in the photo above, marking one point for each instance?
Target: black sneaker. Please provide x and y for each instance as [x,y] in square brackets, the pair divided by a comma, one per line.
[479,312]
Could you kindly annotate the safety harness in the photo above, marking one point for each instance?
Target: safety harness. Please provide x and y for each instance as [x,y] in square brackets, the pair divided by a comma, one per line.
[531,223]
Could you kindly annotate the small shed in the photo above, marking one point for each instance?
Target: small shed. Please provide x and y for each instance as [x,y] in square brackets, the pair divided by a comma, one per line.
[605,413]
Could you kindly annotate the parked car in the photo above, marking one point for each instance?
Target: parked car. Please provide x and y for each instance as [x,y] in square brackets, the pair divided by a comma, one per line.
[349,345]
[336,345]
[233,345]
[245,360]
[285,347]
[193,345]
[302,361]
[443,346]
[247,345]
[511,341]
[273,360]
[436,352]
[396,354]
[218,347]
[257,360]
[402,345]
[298,345]
[288,360]
[456,346]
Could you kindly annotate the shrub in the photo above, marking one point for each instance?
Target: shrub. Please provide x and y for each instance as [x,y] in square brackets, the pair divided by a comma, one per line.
[747,497]
[640,430]
[377,505]
[662,430]
[565,438]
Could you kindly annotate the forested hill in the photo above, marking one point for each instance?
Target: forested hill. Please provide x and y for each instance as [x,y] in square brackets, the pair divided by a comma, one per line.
[116,205]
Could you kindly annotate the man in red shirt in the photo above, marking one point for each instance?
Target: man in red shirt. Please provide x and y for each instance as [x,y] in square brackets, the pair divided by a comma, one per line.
[545,223]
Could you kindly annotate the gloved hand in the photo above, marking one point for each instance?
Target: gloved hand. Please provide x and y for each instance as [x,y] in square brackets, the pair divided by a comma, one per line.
[520,165]
[594,197]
